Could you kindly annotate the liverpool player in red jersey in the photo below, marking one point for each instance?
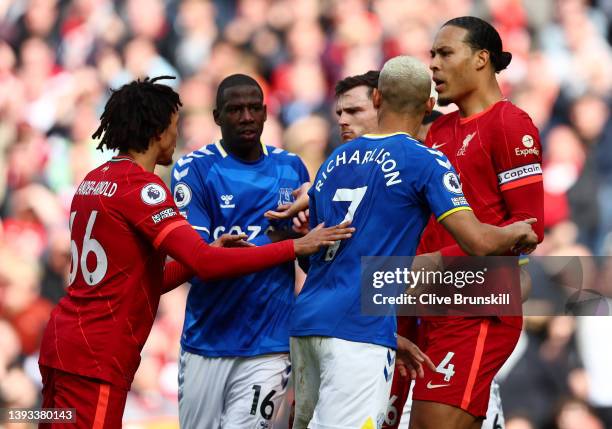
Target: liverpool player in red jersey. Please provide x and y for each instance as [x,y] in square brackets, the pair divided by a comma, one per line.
[123,223]
[495,148]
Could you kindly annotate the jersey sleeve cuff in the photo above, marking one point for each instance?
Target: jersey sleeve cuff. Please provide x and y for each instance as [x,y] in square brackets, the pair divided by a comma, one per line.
[451,211]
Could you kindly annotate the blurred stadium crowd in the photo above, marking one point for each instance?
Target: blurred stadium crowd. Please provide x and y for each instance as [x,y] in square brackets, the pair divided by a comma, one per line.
[59,57]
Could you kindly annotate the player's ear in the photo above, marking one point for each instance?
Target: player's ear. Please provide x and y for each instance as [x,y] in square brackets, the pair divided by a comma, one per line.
[265,113]
[481,59]
[376,98]
[429,105]
[216,117]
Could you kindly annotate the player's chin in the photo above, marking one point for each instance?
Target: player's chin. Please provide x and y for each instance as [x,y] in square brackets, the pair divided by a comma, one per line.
[249,141]
[444,101]
[347,135]
[166,162]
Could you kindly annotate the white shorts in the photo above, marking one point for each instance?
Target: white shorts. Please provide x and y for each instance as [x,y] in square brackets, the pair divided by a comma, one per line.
[231,393]
[340,384]
[495,413]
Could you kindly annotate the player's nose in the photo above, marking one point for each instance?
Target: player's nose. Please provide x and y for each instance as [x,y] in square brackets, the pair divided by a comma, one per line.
[246,115]
[434,63]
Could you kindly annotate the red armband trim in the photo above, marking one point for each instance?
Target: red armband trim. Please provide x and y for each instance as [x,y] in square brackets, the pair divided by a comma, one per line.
[521,182]
[167,230]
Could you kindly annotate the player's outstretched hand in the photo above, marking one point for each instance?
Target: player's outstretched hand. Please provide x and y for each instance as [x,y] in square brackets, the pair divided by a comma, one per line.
[321,236]
[232,240]
[409,359]
[287,211]
[526,238]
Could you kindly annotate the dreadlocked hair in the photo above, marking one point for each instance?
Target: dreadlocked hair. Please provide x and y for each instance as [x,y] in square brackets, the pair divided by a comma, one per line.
[136,113]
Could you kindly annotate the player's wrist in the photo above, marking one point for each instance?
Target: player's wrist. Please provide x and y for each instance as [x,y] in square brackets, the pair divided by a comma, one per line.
[298,246]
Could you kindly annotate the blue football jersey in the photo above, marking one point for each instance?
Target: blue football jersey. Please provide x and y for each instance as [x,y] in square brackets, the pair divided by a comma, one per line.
[388,185]
[219,194]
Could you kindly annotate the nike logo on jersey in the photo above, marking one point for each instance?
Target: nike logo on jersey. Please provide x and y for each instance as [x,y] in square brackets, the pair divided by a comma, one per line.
[437,145]
[435,386]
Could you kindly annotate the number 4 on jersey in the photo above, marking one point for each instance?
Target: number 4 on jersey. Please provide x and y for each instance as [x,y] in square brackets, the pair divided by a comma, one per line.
[446,368]
[354,196]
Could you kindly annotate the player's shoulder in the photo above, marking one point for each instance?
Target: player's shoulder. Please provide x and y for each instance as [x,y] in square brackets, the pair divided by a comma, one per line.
[121,178]
[281,155]
[200,160]
[509,111]
[518,127]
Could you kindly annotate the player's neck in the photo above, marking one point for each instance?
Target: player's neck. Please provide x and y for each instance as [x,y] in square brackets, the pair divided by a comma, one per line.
[248,154]
[146,160]
[480,99]
[391,122]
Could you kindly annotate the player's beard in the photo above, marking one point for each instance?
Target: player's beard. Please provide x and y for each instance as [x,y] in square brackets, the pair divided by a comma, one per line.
[167,160]
[444,101]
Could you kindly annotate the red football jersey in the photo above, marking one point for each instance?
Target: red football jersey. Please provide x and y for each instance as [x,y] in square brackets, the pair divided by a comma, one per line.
[119,214]
[493,151]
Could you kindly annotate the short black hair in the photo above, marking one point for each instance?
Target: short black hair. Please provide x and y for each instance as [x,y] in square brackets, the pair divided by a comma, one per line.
[482,35]
[136,113]
[369,79]
[235,80]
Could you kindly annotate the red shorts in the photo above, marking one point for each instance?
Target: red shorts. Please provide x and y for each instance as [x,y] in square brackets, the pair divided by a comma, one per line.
[98,404]
[406,327]
[468,353]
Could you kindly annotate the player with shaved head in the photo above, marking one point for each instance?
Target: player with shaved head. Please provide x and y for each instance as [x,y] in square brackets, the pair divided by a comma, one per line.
[377,181]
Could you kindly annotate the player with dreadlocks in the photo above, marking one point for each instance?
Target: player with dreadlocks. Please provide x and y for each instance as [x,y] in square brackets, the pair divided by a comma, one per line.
[123,223]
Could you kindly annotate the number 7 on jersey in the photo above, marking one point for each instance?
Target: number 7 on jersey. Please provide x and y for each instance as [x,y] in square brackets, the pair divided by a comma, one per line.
[354,196]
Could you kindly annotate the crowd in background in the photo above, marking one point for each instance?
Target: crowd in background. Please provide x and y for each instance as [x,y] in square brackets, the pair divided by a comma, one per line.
[58,59]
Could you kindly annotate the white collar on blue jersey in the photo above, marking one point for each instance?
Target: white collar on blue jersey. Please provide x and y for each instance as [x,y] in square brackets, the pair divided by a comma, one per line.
[224,153]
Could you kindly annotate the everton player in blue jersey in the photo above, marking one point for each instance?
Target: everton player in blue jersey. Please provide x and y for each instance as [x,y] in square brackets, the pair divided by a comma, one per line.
[388,185]
[234,364]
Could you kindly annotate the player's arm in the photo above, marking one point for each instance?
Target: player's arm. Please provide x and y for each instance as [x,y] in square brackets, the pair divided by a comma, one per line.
[481,239]
[154,214]
[183,244]
[410,359]
[442,190]
[523,203]
[176,274]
